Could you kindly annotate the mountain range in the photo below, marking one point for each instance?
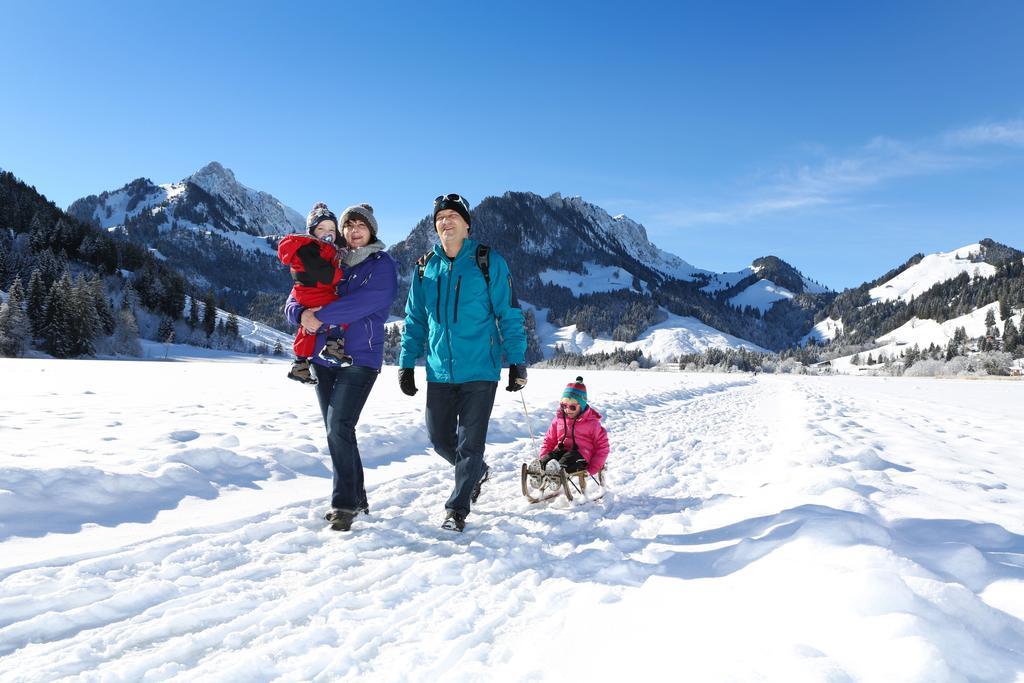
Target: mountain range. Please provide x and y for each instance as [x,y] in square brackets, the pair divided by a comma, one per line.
[590,281]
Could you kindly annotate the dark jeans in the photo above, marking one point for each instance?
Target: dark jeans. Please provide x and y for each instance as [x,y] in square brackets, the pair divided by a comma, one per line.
[457,419]
[342,393]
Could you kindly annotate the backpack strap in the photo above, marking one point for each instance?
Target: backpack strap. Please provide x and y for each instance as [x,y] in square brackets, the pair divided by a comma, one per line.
[483,262]
[421,264]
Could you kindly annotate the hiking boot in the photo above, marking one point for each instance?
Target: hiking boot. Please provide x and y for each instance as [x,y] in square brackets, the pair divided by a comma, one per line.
[300,371]
[454,521]
[476,489]
[334,353]
[341,520]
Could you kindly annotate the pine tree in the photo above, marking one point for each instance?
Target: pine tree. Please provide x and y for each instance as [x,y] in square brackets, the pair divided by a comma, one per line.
[35,305]
[126,334]
[855,360]
[1004,308]
[231,327]
[166,332]
[14,324]
[83,321]
[209,314]
[193,312]
[56,330]
[279,350]
[129,298]
[104,313]
[1011,337]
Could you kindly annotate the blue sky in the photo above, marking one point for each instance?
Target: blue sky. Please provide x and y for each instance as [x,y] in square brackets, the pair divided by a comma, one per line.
[843,137]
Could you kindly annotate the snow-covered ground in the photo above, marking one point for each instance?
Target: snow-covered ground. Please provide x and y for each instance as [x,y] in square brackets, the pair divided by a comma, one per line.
[162,521]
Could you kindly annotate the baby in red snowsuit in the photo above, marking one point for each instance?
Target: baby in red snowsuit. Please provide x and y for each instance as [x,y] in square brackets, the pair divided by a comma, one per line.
[314,263]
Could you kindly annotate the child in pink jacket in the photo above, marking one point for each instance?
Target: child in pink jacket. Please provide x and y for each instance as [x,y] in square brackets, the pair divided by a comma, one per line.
[576,439]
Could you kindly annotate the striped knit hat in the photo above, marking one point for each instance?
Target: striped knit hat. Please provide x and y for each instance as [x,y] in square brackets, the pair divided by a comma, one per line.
[577,391]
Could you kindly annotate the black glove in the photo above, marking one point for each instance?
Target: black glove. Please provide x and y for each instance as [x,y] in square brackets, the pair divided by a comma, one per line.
[572,462]
[516,377]
[407,381]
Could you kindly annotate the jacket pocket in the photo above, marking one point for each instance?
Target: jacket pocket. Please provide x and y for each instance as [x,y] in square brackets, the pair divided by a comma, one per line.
[458,286]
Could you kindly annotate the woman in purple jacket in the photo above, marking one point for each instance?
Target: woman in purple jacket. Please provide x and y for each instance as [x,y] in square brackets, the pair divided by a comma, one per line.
[366,293]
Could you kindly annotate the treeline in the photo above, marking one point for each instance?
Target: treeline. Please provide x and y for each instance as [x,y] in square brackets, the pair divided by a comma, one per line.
[616,359]
[863,321]
[75,290]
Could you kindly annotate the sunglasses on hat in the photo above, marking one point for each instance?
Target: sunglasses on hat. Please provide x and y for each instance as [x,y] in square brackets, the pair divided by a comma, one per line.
[451,198]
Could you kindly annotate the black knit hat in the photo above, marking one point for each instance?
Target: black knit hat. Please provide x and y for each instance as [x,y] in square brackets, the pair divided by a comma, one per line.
[318,214]
[364,211]
[452,201]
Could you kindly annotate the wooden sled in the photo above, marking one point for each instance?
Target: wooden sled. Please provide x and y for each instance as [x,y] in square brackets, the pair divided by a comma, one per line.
[552,485]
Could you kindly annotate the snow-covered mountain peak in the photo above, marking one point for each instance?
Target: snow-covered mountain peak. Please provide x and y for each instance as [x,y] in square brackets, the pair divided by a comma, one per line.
[258,212]
[214,177]
[930,271]
[631,237]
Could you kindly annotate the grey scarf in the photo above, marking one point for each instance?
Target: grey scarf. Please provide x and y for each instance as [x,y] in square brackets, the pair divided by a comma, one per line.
[356,256]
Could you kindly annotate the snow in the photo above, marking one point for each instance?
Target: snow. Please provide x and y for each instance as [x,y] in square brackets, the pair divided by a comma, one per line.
[632,238]
[772,528]
[720,281]
[113,211]
[761,295]
[662,343]
[824,331]
[932,269]
[596,278]
[924,332]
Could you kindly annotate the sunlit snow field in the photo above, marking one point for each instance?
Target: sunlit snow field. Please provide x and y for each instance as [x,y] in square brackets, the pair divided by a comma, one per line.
[162,521]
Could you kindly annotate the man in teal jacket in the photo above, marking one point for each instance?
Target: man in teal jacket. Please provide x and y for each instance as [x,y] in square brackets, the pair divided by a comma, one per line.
[466,325]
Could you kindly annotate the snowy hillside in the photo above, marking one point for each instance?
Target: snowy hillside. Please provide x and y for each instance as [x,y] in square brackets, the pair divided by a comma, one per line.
[932,269]
[824,331]
[777,528]
[662,343]
[923,333]
[595,278]
[761,295]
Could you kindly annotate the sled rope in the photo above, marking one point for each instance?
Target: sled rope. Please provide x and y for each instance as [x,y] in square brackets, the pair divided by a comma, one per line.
[528,425]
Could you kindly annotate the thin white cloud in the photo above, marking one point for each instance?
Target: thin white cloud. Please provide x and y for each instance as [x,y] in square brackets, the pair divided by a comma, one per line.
[837,180]
[1004,133]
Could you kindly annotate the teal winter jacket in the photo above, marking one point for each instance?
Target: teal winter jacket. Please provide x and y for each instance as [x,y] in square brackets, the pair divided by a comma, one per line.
[452,313]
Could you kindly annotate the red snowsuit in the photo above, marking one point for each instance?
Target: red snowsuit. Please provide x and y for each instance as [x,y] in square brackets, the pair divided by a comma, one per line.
[585,433]
[316,271]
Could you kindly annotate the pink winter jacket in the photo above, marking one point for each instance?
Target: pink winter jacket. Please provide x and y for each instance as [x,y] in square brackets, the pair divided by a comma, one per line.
[591,438]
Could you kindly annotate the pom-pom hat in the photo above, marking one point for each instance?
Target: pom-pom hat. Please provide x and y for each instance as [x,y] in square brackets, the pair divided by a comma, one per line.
[318,214]
[364,211]
[577,391]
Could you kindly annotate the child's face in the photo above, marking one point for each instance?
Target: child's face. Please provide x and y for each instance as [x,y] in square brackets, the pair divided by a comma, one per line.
[324,229]
[570,406]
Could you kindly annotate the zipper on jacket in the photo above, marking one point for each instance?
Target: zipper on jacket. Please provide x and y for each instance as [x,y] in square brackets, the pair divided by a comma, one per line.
[447,325]
[458,286]
[439,298]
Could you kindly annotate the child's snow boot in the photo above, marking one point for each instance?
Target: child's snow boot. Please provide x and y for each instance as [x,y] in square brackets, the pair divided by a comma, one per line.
[334,353]
[300,371]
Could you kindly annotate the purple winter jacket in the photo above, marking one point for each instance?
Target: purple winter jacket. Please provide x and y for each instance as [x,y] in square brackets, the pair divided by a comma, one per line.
[365,293]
